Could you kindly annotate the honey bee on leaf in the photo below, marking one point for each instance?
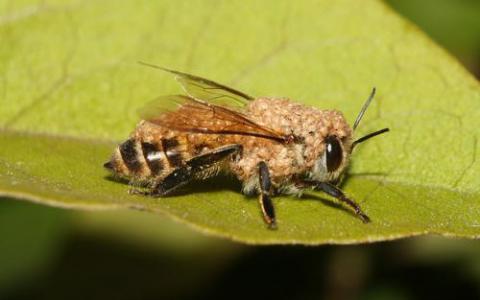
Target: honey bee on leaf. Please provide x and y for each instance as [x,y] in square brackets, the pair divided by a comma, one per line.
[272,145]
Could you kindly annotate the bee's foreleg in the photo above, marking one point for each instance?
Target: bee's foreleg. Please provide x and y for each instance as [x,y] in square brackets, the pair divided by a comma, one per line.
[337,193]
[266,204]
[185,173]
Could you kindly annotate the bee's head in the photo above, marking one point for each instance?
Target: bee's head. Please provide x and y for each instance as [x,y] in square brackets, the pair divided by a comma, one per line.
[338,146]
[334,159]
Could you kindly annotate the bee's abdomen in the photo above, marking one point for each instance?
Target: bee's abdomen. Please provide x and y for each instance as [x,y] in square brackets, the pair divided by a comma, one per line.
[173,153]
[152,159]
[128,152]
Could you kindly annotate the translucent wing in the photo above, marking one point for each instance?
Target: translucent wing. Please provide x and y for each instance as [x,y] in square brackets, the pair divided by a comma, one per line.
[192,115]
[207,90]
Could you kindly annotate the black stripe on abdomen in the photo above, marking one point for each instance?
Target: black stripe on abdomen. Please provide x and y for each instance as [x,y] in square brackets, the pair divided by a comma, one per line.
[154,162]
[174,156]
[129,154]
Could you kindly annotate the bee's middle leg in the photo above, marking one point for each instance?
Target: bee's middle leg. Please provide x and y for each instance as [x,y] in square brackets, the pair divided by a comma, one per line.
[265,186]
[192,167]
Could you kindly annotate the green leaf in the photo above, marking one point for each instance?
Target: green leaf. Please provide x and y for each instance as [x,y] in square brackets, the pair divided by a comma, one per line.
[69,78]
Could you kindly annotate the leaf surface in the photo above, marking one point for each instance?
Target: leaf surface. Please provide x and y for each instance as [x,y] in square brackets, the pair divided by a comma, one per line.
[70,88]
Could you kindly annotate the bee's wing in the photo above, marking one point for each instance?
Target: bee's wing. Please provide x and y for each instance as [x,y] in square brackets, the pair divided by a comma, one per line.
[208,90]
[192,115]
[161,106]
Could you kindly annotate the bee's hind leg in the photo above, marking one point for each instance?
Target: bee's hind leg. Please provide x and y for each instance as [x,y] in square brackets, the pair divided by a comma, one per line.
[136,191]
[266,204]
[140,188]
[192,167]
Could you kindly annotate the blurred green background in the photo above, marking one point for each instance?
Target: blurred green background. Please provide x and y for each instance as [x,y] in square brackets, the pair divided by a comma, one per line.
[49,253]
[454,24]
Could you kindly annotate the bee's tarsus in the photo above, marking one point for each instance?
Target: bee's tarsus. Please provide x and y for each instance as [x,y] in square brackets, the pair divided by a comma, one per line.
[272,225]
[138,192]
[365,219]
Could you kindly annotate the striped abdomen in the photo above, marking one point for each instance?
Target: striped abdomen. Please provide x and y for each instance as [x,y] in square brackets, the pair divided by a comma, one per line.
[139,159]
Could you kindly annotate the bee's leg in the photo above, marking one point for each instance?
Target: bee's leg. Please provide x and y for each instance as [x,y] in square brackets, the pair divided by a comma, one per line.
[266,204]
[336,181]
[134,191]
[138,188]
[335,192]
[192,167]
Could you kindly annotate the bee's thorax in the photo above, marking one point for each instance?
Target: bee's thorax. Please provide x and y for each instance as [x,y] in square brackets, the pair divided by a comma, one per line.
[312,125]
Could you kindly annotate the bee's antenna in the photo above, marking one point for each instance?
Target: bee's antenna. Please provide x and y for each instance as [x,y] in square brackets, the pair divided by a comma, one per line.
[364,108]
[153,66]
[359,118]
[368,136]
[176,73]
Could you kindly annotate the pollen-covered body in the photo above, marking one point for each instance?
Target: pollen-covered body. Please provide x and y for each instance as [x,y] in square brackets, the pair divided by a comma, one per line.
[286,160]
[163,149]
[272,145]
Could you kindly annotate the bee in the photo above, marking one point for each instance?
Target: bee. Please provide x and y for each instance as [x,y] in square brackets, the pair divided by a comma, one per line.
[272,145]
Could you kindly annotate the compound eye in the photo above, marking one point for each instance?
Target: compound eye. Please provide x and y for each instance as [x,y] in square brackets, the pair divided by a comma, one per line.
[334,153]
